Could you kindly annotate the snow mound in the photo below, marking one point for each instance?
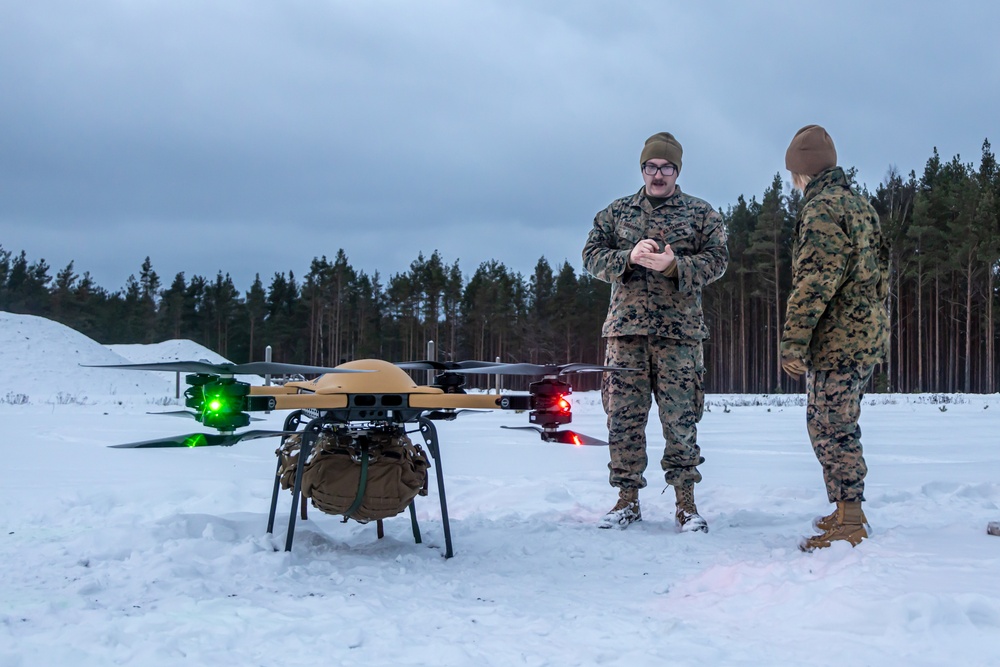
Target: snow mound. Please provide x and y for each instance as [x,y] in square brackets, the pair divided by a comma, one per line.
[45,362]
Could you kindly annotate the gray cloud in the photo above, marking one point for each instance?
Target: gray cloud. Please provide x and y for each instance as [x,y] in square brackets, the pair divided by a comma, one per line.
[250,137]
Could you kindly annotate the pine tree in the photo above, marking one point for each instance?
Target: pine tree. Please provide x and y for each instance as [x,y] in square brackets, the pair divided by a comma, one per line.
[769,249]
[893,201]
[27,286]
[926,240]
[255,309]
[171,315]
[62,296]
[988,225]
[542,313]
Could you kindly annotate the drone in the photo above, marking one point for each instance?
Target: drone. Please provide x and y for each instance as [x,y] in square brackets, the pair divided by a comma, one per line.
[355,408]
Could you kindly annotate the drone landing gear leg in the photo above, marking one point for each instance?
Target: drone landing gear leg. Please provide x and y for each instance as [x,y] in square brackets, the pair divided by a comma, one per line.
[291,423]
[430,437]
[274,498]
[308,438]
[413,523]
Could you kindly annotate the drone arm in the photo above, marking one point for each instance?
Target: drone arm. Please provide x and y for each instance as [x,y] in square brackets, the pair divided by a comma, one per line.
[309,401]
[272,390]
[287,398]
[458,401]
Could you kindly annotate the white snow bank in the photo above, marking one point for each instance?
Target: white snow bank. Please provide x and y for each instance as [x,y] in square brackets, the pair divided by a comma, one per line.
[45,362]
[42,364]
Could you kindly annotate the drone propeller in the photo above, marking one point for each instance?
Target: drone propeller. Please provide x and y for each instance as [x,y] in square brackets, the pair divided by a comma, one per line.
[539,369]
[202,440]
[190,415]
[565,437]
[253,368]
[426,365]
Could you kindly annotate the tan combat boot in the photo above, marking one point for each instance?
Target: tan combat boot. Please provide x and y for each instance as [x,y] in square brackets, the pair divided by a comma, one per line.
[626,511]
[687,515]
[825,523]
[848,525]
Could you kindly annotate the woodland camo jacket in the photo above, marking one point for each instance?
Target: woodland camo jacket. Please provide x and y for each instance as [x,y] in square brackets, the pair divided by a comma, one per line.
[836,312]
[646,302]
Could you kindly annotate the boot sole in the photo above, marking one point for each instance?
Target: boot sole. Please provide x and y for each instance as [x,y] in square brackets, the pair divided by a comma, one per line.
[692,527]
[618,525]
[804,543]
[699,529]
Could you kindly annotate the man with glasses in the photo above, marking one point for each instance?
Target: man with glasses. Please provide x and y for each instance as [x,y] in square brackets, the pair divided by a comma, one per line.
[658,248]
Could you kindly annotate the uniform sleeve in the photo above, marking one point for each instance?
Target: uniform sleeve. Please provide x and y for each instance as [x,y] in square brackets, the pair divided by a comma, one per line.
[602,257]
[823,252]
[709,263]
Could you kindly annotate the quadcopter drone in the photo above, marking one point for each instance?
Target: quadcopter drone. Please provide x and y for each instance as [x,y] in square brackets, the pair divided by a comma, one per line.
[358,400]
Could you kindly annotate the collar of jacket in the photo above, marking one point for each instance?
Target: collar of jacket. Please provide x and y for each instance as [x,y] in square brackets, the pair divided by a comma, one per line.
[832,177]
[639,199]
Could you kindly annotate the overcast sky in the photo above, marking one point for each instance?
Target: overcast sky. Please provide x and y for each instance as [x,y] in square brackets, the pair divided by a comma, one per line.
[250,136]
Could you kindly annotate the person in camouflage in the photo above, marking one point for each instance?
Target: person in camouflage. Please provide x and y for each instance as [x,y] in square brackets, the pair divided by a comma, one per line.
[836,323]
[658,248]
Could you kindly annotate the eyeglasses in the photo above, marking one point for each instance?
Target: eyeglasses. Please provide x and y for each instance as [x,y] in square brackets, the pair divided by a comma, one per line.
[651,169]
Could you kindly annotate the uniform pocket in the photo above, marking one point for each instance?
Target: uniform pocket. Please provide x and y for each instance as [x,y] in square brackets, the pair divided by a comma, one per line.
[699,379]
[628,236]
[834,397]
[678,238]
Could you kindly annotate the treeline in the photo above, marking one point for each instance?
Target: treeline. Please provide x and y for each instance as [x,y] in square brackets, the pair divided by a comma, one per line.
[943,226]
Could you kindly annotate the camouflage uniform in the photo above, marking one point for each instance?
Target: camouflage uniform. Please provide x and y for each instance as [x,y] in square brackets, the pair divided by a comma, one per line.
[655,323]
[836,321]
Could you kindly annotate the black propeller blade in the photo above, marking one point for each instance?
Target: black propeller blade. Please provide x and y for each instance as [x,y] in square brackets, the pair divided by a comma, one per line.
[565,437]
[190,415]
[540,369]
[202,440]
[425,365]
[253,368]
[176,413]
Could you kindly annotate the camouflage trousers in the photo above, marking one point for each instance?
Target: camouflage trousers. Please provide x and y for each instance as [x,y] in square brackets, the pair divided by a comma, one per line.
[672,372]
[832,419]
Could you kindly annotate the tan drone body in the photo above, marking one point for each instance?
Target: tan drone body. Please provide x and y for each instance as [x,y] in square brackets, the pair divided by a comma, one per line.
[332,390]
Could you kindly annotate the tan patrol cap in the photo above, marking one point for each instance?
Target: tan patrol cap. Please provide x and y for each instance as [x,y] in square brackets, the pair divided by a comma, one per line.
[810,152]
[663,146]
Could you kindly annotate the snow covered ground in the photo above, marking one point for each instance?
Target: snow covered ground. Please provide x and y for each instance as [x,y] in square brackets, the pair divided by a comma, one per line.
[159,557]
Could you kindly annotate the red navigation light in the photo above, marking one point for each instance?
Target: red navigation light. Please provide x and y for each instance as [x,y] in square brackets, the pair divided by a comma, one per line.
[550,406]
[576,440]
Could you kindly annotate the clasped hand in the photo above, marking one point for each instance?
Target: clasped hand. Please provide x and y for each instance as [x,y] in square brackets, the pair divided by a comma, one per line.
[647,253]
[792,366]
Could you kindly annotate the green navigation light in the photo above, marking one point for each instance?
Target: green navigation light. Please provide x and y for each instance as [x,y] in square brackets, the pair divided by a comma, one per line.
[219,401]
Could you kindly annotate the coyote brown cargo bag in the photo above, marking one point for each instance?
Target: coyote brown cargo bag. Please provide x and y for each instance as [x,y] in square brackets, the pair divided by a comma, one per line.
[365,477]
